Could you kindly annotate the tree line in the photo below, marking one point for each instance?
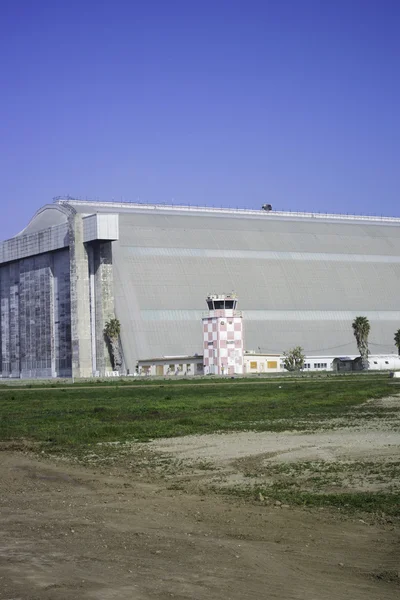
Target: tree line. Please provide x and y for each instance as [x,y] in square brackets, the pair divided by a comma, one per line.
[294,358]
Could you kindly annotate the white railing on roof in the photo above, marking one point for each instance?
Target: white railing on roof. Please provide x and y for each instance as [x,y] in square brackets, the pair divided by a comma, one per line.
[221,312]
[236,211]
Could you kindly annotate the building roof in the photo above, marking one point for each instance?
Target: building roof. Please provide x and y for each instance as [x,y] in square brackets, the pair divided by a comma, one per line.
[88,207]
[262,354]
[172,358]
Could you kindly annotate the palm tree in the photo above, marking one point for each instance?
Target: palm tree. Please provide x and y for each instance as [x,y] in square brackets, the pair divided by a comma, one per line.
[361,328]
[112,330]
[397,340]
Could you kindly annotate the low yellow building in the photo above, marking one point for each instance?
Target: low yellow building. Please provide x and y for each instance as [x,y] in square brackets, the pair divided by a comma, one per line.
[262,363]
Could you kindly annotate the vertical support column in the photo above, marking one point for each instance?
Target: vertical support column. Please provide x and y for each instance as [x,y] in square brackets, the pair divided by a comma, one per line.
[80,301]
[24,317]
[62,313]
[104,294]
[5,321]
[45,358]
[14,320]
[53,325]
[90,253]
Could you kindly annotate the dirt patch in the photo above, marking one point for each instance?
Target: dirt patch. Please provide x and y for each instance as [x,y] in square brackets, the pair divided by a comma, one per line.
[329,461]
[283,447]
[389,402]
[18,445]
[68,533]
[140,522]
[359,454]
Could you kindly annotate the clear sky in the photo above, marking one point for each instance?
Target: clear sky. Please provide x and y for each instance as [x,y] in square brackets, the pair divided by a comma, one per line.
[222,102]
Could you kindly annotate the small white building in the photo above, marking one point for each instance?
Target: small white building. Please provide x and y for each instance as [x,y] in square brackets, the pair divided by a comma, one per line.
[380,362]
[255,363]
[171,366]
[319,363]
[376,362]
[262,363]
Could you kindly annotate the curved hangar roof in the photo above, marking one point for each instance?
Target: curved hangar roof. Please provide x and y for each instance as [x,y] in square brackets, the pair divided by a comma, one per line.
[300,278]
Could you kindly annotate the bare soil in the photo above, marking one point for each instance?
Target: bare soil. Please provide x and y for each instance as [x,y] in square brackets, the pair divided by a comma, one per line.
[126,529]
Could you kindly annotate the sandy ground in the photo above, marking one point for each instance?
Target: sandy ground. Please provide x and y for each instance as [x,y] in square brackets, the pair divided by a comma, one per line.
[70,533]
[286,446]
[117,533]
[366,445]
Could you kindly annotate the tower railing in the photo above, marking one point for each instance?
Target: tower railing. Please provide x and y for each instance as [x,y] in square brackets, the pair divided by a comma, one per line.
[221,312]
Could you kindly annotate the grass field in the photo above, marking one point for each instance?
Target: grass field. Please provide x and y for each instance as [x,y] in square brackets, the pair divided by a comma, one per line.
[81,419]
[71,416]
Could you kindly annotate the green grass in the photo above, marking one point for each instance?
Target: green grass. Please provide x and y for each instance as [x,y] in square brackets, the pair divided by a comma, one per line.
[70,417]
[198,380]
[75,419]
[351,502]
[313,483]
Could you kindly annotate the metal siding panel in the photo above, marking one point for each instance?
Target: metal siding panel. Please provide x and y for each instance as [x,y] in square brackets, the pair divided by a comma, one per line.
[300,280]
[167,265]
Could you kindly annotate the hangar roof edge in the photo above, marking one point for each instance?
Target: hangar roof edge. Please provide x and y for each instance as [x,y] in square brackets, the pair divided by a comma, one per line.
[86,206]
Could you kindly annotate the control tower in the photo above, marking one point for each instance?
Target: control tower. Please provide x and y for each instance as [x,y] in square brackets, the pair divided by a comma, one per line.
[222,336]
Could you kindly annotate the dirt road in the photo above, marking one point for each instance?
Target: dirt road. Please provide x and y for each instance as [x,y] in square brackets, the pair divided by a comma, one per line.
[76,533]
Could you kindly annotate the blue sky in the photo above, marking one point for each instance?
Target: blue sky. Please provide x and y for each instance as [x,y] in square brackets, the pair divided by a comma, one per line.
[222,103]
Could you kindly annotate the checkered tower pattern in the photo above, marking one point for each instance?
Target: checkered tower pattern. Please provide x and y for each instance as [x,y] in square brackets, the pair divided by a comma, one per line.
[223,343]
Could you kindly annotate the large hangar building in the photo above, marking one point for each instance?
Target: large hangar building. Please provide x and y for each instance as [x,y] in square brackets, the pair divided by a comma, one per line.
[300,279]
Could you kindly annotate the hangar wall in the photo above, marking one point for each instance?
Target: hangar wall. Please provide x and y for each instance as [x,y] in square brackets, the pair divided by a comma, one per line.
[56,290]
[301,280]
[36,316]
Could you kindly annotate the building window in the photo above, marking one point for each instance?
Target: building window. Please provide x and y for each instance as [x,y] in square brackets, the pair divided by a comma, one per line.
[253,365]
[386,362]
[171,367]
[375,362]
[272,364]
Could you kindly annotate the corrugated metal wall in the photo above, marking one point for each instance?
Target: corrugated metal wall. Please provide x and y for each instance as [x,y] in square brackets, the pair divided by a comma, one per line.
[298,281]
[36,316]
